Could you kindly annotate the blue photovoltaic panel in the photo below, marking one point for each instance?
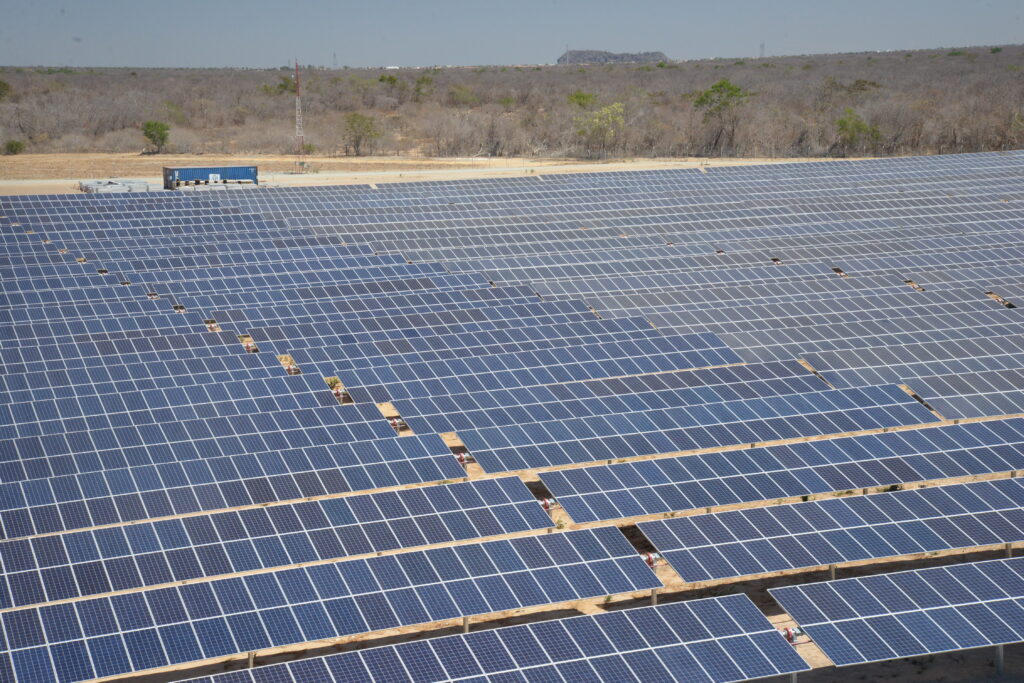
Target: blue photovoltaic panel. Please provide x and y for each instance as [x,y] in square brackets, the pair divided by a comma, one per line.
[63,566]
[151,628]
[912,613]
[669,430]
[63,503]
[693,482]
[831,531]
[606,396]
[700,641]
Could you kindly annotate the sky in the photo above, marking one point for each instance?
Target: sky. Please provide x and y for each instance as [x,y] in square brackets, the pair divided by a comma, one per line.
[271,33]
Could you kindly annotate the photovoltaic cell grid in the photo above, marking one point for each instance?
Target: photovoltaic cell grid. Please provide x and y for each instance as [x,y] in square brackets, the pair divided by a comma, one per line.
[531,368]
[911,613]
[120,408]
[836,530]
[169,487]
[694,482]
[700,641]
[64,566]
[74,641]
[668,430]
[605,396]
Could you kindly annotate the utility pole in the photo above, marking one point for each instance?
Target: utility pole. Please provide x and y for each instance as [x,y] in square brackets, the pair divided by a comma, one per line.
[299,137]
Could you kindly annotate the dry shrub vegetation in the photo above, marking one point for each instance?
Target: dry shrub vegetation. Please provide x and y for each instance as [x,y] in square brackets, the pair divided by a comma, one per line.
[920,102]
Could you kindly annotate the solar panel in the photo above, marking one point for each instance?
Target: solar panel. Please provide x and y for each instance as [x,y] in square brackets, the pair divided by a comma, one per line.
[670,430]
[916,612]
[71,565]
[762,474]
[152,628]
[713,639]
[836,530]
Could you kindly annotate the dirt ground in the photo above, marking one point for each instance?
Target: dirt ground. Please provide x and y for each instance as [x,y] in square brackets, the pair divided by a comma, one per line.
[58,173]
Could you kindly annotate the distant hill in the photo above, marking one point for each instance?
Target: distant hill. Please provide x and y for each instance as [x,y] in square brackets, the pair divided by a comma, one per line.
[602,57]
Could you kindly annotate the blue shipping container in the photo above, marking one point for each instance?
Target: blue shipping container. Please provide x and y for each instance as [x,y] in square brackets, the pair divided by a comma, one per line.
[189,175]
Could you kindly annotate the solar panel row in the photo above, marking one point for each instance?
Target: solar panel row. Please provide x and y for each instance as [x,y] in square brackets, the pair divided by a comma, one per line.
[910,613]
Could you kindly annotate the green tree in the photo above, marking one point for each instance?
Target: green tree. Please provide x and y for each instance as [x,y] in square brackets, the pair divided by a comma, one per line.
[422,88]
[600,129]
[583,100]
[719,104]
[285,84]
[157,133]
[855,134]
[720,98]
[360,130]
[12,147]
[462,95]
[5,89]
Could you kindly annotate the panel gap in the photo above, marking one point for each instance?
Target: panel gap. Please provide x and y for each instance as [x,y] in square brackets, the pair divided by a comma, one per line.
[461,453]
[338,389]
[289,365]
[914,285]
[394,419]
[1000,299]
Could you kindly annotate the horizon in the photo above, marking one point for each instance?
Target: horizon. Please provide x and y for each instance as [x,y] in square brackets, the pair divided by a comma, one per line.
[672,60]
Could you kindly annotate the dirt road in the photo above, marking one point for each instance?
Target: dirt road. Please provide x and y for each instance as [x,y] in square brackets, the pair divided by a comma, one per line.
[57,173]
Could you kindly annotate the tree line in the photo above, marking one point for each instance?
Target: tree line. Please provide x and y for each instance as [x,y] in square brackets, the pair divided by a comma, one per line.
[893,103]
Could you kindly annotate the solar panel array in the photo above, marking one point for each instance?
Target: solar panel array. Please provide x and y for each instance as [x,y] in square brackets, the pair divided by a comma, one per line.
[917,612]
[837,530]
[217,410]
[714,639]
[125,632]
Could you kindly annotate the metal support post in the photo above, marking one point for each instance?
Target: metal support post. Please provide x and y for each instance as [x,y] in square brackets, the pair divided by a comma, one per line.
[465,624]
[792,677]
[1009,550]
[1000,661]
[654,597]
[252,659]
[831,572]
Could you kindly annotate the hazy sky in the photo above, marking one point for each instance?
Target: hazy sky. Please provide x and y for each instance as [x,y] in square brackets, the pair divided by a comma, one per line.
[262,33]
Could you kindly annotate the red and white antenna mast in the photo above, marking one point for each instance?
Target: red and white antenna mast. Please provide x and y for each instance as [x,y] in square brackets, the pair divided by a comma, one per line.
[299,137]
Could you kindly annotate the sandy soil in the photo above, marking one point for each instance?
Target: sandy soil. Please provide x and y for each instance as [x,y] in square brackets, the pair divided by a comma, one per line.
[57,173]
